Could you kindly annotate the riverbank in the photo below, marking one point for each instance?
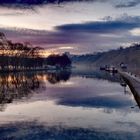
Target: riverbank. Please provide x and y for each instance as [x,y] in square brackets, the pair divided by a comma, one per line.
[33,69]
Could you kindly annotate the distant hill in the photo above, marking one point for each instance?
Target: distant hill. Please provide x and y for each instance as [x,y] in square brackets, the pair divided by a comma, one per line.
[130,56]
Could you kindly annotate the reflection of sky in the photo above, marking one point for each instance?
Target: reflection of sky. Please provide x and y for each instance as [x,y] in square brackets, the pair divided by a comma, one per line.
[44,20]
[78,103]
[92,93]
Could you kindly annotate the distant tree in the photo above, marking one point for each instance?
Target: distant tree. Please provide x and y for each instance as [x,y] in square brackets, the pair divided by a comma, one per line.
[18,55]
[61,60]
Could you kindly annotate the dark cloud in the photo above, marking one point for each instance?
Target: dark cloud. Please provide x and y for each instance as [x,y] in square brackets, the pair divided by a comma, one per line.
[128,4]
[102,26]
[90,36]
[31,3]
[36,2]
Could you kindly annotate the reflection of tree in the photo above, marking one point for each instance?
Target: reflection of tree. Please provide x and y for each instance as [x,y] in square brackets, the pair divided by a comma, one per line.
[18,86]
[55,77]
[96,74]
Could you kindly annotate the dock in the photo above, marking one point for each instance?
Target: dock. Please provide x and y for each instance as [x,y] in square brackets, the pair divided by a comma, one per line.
[133,82]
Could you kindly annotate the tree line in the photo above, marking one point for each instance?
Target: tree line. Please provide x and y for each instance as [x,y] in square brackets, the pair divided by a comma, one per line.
[23,56]
[18,56]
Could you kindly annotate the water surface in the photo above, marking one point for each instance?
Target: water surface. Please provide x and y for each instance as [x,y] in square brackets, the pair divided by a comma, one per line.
[66,105]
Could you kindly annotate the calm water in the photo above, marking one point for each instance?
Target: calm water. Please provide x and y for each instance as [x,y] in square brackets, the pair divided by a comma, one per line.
[78,105]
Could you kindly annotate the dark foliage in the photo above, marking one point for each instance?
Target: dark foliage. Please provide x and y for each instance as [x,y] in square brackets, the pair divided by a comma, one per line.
[59,60]
[19,56]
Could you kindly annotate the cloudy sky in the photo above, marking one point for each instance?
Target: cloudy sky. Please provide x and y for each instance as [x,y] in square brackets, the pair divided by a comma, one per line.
[75,26]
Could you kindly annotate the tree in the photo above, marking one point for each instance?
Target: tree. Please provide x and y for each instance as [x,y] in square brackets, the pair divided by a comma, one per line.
[58,60]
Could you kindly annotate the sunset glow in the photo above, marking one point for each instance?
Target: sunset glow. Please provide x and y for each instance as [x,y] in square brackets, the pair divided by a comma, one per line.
[45,25]
[69,69]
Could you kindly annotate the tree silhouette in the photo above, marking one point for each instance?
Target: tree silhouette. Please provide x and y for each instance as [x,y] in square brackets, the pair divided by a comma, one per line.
[59,60]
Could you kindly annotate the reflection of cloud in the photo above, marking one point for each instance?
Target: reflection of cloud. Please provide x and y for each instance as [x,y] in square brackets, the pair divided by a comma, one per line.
[35,131]
[97,102]
[127,3]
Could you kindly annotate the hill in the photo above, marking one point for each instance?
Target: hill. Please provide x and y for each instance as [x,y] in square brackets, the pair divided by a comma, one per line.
[129,55]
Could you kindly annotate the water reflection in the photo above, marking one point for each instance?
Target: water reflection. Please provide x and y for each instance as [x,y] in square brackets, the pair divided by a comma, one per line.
[66,105]
[89,73]
[84,89]
[56,77]
[35,131]
[135,93]
[17,86]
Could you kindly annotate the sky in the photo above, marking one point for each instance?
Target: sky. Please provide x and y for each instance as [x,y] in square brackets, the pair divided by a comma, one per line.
[79,27]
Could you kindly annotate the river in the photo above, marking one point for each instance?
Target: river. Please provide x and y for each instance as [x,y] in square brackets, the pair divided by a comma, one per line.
[66,105]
